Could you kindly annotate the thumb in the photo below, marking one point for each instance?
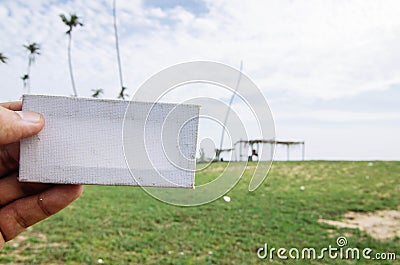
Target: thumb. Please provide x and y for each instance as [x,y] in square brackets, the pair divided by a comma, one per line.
[15,125]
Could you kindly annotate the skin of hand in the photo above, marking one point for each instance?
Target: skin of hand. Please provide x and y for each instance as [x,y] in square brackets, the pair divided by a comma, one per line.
[24,204]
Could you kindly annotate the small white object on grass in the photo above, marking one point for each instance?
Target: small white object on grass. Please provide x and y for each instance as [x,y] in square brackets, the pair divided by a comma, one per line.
[370,164]
[227,198]
[302,188]
[100,261]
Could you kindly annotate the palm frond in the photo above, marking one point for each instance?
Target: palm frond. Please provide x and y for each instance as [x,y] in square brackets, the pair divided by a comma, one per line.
[122,94]
[3,58]
[97,92]
[33,49]
[71,22]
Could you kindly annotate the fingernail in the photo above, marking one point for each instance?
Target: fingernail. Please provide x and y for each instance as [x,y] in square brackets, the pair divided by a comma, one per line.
[30,116]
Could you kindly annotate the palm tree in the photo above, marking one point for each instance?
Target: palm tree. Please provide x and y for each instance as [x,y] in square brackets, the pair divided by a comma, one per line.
[25,78]
[33,50]
[97,92]
[3,58]
[71,23]
[122,94]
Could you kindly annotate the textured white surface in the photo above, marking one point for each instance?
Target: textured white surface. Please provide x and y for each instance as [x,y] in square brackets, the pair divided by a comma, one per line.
[88,141]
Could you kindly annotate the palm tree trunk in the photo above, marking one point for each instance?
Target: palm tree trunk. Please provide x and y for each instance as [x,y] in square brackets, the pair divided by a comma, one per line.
[70,65]
[28,81]
[117,44]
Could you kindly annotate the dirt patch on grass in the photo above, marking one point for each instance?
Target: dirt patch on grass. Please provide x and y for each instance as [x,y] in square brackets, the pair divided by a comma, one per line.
[39,240]
[27,244]
[381,225]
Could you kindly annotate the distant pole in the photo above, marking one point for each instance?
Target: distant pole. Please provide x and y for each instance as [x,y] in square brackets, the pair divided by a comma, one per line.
[234,150]
[240,150]
[251,151]
[272,149]
[287,150]
[304,146]
[229,106]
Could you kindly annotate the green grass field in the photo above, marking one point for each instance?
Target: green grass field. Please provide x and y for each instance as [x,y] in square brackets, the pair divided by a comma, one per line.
[124,225]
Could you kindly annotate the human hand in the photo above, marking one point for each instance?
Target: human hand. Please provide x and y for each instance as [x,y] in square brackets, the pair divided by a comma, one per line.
[24,204]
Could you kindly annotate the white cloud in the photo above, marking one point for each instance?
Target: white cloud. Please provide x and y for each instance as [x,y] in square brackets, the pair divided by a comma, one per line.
[308,48]
[340,116]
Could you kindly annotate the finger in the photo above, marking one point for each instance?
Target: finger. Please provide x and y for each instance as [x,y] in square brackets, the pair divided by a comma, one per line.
[15,125]
[16,105]
[9,157]
[11,189]
[17,216]
[2,241]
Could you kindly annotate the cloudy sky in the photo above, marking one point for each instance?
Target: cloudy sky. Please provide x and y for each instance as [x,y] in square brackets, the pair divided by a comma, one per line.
[330,70]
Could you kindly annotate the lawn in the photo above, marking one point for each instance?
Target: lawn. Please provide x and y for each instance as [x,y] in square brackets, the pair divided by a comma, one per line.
[124,225]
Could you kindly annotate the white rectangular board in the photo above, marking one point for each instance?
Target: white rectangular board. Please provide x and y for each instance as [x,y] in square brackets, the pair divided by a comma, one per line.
[105,142]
